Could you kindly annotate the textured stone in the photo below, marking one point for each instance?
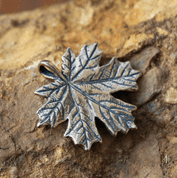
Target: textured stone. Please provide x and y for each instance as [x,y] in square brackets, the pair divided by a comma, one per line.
[149,87]
[152,9]
[146,160]
[171,96]
[174,172]
[161,115]
[163,118]
[145,155]
[127,142]
[173,72]
[162,31]
[173,140]
[173,57]
[135,42]
[142,60]
[7,146]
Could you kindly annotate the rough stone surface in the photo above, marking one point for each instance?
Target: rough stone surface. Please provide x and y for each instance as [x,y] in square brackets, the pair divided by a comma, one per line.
[173,57]
[135,42]
[171,96]
[173,140]
[146,158]
[149,86]
[153,9]
[142,60]
[144,32]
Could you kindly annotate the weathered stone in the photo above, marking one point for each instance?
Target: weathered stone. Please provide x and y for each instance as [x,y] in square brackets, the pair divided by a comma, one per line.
[127,142]
[135,42]
[161,115]
[149,87]
[173,57]
[142,60]
[7,145]
[162,31]
[146,160]
[168,25]
[173,78]
[171,96]
[173,140]
[154,107]
[174,171]
[170,48]
[162,119]
[152,9]
[14,172]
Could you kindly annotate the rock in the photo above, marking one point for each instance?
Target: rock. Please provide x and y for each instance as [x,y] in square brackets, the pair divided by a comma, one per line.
[141,61]
[171,96]
[162,119]
[161,115]
[127,142]
[173,78]
[14,172]
[173,140]
[149,87]
[162,32]
[135,42]
[146,160]
[174,171]
[144,11]
[173,57]
[7,145]
[154,107]
[170,48]
[147,154]
[168,25]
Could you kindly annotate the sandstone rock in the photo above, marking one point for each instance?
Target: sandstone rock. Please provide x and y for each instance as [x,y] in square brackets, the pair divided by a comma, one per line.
[146,159]
[135,42]
[14,172]
[173,57]
[7,146]
[149,86]
[147,154]
[173,72]
[152,9]
[127,142]
[172,139]
[174,172]
[162,31]
[154,107]
[161,115]
[142,60]
[171,96]
[163,118]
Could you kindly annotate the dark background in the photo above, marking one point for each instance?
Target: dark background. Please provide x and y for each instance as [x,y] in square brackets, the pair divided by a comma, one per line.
[11,6]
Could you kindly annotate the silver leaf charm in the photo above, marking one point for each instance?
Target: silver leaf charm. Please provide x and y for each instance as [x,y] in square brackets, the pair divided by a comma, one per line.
[81,92]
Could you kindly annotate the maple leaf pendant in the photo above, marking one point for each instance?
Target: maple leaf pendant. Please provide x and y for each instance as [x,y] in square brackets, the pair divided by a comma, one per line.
[81,92]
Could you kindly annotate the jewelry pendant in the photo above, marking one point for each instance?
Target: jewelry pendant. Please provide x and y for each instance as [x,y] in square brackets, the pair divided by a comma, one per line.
[81,92]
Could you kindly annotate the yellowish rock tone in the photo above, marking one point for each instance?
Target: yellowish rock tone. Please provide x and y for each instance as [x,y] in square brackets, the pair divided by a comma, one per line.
[171,96]
[84,24]
[151,9]
[162,31]
[135,42]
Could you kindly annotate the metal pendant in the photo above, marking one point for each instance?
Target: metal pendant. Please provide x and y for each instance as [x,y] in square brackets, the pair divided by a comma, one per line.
[81,92]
